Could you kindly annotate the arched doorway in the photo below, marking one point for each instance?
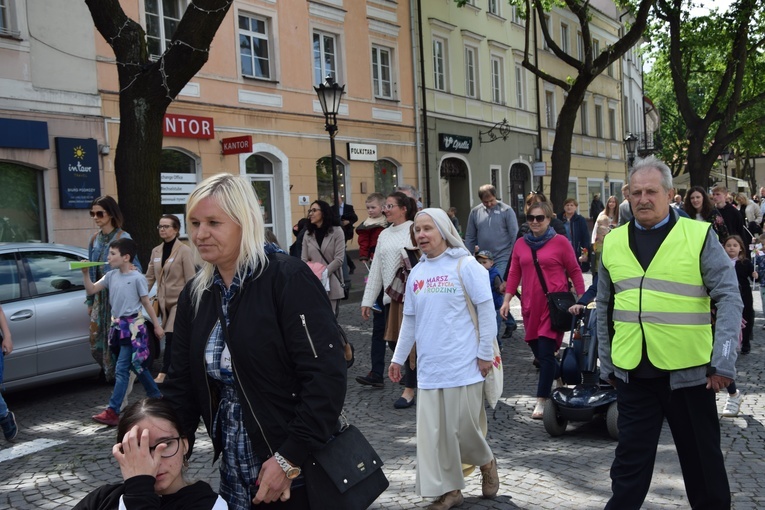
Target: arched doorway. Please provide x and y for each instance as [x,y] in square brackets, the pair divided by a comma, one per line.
[386,176]
[177,167]
[22,214]
[455,182]
[519,187]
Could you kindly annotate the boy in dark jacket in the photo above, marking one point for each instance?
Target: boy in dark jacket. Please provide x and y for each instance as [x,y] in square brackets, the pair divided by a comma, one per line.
[486,259]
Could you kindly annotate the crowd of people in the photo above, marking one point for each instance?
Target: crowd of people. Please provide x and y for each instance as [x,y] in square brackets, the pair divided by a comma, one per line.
[250,332]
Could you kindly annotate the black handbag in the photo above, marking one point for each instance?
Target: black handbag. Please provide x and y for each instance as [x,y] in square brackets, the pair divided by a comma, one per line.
[557,302]
[344,475]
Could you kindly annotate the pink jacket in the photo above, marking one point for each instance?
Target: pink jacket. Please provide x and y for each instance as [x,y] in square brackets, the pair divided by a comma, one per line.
[558,263]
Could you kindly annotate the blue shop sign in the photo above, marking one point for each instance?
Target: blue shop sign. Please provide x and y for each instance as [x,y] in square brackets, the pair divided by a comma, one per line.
[78,177]
[24,134]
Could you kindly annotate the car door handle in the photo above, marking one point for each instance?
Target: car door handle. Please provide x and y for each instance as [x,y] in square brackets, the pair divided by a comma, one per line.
[21,315]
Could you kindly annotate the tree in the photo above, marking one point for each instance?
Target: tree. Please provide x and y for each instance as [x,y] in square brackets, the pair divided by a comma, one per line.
[715,63]
[147,87]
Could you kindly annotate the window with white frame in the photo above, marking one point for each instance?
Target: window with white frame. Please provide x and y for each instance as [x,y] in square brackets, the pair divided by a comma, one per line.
[520,87]
[382,80]
[497,81]
[580,45]
[325,57]
[595,48]
[550,109]
[5,17]
[516,16]
[254,47]
[162,20]
[585,120]
[564,38]
[470,72]
[612,123]
[494,7]
[598,121]
[610,70]
[439,64]
[571,191]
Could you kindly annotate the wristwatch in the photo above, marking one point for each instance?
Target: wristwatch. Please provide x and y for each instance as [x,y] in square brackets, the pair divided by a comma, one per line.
[291,471]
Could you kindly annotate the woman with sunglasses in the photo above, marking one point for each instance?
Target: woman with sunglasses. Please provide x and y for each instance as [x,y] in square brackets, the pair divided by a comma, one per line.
[558,264]
[108,218]
[152,454]
[171,267]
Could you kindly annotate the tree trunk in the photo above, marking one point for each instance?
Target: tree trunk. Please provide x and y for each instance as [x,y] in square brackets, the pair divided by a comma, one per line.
[561,154]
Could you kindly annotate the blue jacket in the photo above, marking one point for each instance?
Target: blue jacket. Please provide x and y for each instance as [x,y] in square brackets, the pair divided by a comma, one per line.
[579,237]
[498,296]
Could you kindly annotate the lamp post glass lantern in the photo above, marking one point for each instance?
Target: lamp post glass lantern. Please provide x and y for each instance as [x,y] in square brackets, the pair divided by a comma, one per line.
[631,143]
[725,156]
[330,94]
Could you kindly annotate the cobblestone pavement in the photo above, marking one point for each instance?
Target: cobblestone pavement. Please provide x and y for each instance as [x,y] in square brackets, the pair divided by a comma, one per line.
[60,454]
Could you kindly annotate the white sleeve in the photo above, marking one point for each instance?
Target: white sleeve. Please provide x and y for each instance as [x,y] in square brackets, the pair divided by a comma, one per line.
[487,320]
[405,340]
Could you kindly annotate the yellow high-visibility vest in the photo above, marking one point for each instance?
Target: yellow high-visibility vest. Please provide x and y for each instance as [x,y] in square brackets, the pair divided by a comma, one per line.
[667,306]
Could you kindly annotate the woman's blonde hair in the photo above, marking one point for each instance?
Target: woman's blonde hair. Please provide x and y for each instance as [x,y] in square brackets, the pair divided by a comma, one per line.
[235,195]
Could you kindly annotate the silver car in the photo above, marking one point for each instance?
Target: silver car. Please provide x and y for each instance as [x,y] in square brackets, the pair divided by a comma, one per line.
[44,302]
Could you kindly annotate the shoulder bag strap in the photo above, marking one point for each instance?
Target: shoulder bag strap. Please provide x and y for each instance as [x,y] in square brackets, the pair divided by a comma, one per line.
[342,282]
[539,272]
[470,305]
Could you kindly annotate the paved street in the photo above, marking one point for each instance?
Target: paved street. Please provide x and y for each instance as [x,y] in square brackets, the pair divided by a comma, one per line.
[60,454]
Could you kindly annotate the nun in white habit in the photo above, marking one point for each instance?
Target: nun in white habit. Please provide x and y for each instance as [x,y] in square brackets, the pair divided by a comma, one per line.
[452,361]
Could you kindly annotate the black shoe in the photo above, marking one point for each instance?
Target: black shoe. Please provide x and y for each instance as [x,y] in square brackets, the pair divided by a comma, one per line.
[8,424]
[403,403]
[509,330]
[371,379]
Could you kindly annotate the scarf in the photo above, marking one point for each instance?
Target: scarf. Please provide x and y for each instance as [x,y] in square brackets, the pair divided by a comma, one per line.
[535,243]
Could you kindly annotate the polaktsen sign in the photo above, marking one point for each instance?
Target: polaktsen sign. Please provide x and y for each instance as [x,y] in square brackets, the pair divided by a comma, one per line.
[454,143]
[362,152]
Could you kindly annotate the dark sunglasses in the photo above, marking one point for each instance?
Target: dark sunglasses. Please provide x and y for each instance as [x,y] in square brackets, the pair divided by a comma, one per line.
[97,214]
[539,218]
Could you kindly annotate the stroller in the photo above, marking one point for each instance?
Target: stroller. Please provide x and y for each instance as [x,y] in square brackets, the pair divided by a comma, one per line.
[584,395]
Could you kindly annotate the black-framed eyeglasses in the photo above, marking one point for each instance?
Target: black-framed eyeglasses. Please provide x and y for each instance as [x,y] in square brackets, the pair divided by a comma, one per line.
[164,227]
[388,207]
[97,214]
[539,218]
[314,210]
[173,444]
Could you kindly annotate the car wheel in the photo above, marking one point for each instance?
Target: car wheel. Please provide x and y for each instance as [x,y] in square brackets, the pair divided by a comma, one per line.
[612,418]
[555,425]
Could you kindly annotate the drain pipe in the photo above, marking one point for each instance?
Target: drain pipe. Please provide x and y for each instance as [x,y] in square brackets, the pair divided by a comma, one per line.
[424,128]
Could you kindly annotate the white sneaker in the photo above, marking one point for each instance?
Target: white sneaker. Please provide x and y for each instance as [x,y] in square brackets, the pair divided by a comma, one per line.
[732,405]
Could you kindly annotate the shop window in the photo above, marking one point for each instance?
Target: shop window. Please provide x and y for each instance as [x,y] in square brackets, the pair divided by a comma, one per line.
[178,178]
[324,184]
[386,176]
[260,171]
[22,215]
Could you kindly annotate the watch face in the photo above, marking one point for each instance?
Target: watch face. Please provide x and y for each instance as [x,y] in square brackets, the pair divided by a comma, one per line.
[293,473]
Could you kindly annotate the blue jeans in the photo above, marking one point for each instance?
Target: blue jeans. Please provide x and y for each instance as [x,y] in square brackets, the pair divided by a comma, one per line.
[544,350]
[121,376]
[510,321]
[3,405]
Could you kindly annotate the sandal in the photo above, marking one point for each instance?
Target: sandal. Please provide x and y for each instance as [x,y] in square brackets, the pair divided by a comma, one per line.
[539,411]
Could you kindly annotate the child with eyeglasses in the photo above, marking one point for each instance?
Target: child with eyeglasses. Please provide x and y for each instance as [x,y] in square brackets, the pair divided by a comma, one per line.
[152,453]
[128,341]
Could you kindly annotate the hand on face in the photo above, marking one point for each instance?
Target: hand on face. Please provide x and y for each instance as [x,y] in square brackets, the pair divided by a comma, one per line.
[134,456]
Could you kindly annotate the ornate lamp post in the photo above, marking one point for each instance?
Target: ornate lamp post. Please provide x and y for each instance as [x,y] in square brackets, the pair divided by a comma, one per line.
[631,143]
[725,156]
[330,94]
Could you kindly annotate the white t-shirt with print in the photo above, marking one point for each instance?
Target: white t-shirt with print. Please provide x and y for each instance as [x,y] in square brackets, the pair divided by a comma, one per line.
[447,348]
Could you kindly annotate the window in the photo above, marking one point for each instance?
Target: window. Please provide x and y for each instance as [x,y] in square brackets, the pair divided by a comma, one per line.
[51,274]
[324,57]
[611,70]
[595,48]
[470,72]
[23,204]
[494,7]
[9,278]
[520,87]
[544,39]
[5,18]
[162,18]
[439,64]
[564,38]
[598,121]
[580,45]
[260,171]
[386,176]
[584,119]
[324,182]
[497,86]
[253,46]
[571,192]
[176,166]
[612,123]
[517,19]
[550,109]
[382,81]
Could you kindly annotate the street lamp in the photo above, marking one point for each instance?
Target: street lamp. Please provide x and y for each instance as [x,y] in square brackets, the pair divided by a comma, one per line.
[725,156]
[631,143]
[330,94]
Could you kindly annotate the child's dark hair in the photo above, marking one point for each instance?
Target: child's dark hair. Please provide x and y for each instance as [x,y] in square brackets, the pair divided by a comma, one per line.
[147,408]
[740,241]
[125,246]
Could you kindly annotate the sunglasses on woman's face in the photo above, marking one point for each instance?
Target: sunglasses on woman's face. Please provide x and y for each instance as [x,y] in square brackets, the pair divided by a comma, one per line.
[97,214]
[539,218]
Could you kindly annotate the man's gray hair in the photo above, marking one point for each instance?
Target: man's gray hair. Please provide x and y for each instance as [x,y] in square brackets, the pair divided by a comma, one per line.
[411,189]
[656,164]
